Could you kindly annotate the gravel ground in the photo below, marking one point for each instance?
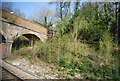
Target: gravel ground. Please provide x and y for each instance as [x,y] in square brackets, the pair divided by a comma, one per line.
[41,70]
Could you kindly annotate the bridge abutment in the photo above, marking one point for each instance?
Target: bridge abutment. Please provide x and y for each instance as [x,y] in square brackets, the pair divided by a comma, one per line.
[10,31]
[6,48]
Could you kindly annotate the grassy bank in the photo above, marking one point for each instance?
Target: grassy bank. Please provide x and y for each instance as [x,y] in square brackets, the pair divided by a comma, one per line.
[74,58]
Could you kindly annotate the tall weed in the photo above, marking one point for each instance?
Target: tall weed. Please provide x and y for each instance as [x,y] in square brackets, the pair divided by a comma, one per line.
[106,46]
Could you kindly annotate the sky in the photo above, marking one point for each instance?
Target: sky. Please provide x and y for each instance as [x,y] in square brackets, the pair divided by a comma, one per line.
[29,8]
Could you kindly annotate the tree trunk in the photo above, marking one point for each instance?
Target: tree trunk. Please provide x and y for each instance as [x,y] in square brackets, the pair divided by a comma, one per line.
[61,10]
[119,24]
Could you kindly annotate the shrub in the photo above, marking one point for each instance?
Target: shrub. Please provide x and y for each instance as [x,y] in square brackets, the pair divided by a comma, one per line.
[106,46]
[78,57]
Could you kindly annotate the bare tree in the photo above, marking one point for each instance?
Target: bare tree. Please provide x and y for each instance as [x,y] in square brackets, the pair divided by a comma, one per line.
[63,8]
[44,16]
[18,12]
[76,7]
[8,6]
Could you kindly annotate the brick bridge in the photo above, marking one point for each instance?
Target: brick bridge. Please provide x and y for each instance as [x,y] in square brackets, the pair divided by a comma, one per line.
[14,26]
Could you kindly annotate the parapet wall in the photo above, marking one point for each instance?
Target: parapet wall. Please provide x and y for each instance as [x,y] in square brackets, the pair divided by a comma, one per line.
[23,22]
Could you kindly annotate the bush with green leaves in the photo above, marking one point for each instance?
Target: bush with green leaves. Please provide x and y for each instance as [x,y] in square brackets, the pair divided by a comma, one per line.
[72,54]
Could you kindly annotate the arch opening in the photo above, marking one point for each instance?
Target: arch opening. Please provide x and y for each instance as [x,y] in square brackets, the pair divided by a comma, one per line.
[31,37]
[24,41]
[2,39]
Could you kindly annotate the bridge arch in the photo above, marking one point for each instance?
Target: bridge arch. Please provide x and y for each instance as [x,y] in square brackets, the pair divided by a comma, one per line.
[26,39]
[2,46]
[2,39]
[31,36]
[28,35]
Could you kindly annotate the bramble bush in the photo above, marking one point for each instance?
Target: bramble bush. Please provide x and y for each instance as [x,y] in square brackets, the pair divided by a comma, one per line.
[70,54]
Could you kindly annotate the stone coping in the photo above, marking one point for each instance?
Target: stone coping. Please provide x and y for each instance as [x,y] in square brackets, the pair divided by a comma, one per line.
[17,72]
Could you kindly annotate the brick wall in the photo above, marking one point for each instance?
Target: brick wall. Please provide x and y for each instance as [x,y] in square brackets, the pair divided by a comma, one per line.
[5,49]
[23,22]
[2,50]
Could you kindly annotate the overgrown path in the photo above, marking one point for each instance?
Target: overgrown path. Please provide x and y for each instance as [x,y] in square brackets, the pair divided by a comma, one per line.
[38,68]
